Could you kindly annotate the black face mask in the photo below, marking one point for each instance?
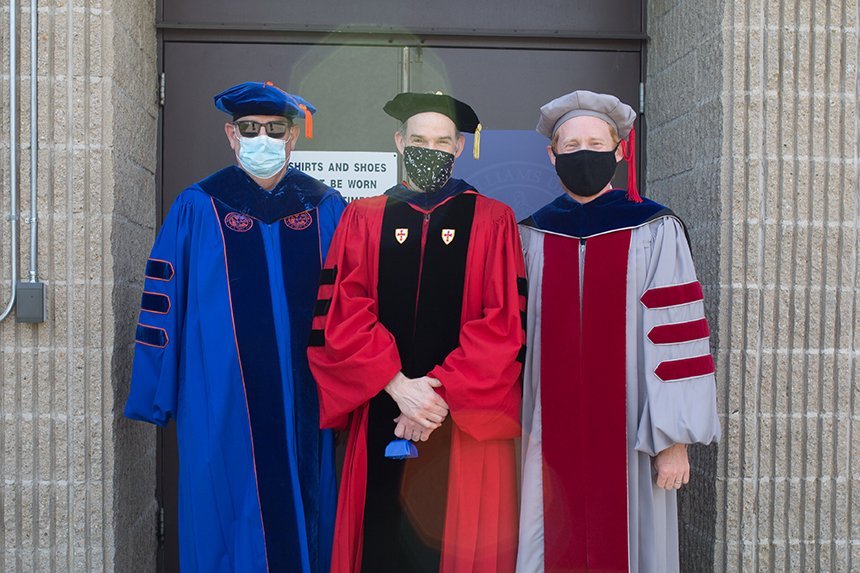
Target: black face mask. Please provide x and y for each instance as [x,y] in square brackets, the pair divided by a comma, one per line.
[585,172]
[428,169]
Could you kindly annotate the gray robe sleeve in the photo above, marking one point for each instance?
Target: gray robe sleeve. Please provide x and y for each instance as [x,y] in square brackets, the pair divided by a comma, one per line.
[677,410]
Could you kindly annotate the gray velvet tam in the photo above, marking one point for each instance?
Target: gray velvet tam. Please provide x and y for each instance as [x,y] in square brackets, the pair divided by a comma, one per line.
[581,102]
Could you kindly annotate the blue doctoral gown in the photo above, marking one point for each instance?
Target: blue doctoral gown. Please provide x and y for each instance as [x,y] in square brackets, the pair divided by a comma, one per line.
[225,317]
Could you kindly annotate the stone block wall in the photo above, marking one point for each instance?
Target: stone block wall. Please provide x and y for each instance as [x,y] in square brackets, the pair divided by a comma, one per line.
[753,138]
[78,481]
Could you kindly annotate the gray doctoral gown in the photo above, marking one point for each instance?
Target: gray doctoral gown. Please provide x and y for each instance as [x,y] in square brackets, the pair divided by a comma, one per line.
[667,372]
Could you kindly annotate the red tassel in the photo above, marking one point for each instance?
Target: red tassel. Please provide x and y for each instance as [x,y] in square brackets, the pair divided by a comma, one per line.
[628,149]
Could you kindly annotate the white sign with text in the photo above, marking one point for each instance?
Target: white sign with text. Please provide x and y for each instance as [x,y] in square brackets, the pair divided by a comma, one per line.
[355,174]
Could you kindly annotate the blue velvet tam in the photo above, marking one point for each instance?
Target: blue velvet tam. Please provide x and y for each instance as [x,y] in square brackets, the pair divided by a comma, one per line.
[262,98]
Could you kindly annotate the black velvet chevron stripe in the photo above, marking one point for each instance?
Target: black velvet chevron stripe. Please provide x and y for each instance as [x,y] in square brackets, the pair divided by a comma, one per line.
[159,270]
[317,338]
[321,307]
[151,336]
[524,319]
[155,302]
[327,276]
[522,286]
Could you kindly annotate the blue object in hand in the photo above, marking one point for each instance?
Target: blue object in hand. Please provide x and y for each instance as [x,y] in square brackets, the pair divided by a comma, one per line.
[400,450]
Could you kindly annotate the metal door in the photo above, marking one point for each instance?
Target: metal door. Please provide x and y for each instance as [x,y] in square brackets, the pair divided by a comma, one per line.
[348,79]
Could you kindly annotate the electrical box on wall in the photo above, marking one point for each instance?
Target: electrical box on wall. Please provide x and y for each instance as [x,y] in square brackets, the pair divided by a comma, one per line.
[30,305]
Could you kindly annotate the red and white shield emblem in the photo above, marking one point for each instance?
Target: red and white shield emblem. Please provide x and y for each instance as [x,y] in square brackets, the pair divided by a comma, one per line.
[401,235]
[448,235]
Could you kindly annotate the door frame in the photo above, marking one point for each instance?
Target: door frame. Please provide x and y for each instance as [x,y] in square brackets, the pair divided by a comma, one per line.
[166,468]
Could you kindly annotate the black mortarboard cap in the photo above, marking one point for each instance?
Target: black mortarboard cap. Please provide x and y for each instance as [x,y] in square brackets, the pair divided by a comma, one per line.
[407,104]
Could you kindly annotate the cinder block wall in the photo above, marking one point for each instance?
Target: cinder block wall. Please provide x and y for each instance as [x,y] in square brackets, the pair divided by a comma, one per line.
[684,121]
[78,481]
[753,130]
[753,138]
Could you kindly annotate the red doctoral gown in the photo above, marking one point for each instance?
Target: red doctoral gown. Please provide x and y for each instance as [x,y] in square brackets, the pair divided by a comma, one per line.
[355,356]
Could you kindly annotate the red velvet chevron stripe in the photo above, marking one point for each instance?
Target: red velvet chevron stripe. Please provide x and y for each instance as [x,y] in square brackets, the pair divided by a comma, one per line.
[685,368]
[679,332]
[674,295]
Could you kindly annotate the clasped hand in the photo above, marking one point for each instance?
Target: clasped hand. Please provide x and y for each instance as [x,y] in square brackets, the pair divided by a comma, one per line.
[422,410]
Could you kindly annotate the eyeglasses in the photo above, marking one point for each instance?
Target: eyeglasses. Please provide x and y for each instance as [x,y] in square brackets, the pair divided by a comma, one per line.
[275,129]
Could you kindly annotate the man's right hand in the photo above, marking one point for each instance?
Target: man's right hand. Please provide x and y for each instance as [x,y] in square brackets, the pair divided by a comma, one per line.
[410,430]
[417,400]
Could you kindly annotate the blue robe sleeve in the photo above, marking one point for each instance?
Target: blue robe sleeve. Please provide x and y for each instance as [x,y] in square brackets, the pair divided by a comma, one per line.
[330,209]
[158,334]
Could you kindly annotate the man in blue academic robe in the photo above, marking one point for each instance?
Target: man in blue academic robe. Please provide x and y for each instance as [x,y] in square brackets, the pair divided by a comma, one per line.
[220,347]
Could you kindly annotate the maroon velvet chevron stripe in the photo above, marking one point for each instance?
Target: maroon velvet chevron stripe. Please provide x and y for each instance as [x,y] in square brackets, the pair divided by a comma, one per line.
[674,295]
[679,332]
[685,368]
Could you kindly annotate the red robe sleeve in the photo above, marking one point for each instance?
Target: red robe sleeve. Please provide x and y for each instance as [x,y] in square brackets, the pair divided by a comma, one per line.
[481,377]
[351,355]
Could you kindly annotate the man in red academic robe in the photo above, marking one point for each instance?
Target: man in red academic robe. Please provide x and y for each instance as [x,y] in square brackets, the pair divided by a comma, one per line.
[418,334]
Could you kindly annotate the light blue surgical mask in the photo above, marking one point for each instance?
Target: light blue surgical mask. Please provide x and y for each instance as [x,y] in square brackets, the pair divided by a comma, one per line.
[262,156]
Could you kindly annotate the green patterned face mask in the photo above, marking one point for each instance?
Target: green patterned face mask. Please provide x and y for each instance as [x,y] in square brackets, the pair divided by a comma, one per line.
[428,169]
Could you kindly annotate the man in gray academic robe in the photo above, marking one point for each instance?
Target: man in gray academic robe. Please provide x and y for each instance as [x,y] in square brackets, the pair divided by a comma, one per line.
[618,376]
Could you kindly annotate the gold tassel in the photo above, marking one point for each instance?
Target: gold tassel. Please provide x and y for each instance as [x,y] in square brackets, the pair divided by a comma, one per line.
[476,147]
